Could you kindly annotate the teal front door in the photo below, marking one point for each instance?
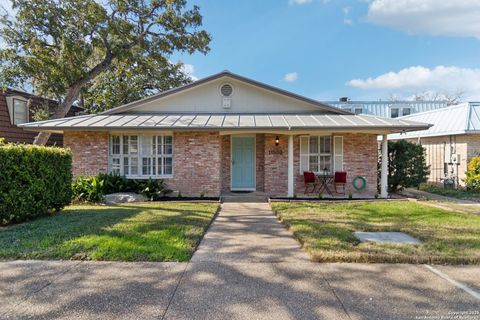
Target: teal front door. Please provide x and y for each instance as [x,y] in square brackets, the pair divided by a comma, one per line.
[243,163]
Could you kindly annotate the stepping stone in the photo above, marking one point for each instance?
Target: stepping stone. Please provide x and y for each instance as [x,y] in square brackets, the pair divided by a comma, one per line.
[386,237]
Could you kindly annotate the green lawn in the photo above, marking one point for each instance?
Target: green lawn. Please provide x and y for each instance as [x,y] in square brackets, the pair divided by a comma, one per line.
[325,230]
[162,231]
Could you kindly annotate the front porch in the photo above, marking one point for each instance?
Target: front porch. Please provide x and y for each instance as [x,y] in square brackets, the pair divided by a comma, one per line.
[274,163]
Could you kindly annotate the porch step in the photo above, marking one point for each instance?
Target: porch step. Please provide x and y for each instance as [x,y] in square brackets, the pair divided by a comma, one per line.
[244,197]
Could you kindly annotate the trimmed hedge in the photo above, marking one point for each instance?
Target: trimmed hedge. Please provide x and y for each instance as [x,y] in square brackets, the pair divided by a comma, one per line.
[34,181]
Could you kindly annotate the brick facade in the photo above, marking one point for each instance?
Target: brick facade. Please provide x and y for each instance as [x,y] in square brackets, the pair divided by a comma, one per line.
[202,161]
[360,158]
[197,163]
[89,151]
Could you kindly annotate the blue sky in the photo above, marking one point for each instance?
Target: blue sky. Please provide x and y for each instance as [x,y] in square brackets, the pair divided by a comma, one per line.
[362,49]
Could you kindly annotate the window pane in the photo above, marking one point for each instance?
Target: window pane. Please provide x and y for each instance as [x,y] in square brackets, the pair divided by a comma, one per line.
[146,145]
[406,111]
[313,163]
[134,166]
[167,165]
[358,111]
[115,144]
[146,166]
[125,166]
[125,144]
[394,113]
[313,145]
[134,145]
[116,165]
[167,145]
[19,111]
[325,144]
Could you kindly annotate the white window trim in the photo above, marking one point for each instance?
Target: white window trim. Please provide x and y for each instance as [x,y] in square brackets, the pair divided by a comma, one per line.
[138,155]
[319,154]
[11,109]
[333,154]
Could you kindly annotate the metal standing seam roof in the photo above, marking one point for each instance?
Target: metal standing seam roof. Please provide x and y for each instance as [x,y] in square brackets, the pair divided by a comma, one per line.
[463,118]
[382,108]
[202,121]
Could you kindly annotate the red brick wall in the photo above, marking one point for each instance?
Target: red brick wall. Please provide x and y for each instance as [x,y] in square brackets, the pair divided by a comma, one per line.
[360,157]
[276,165]
[89,151]
[197,163]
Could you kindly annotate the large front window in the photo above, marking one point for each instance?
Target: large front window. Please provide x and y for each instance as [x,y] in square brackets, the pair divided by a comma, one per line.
[320,154]
[141,155]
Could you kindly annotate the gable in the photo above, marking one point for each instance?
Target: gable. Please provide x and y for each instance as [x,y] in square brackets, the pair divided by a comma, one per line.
[248,96]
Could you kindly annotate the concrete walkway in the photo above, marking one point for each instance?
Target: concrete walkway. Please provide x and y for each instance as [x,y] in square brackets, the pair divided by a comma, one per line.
[247,267]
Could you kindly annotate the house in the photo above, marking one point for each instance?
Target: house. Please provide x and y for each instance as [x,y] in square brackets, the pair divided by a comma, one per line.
[15,110]
[450,143]
[228,133]
[387,109]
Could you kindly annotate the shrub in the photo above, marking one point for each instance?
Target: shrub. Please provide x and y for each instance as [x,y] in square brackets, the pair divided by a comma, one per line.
[152,189]
[34,181]
[94,188]
[473,174]
[406,165]
[89,189]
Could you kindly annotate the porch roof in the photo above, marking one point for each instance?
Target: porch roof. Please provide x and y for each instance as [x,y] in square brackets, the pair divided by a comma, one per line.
[204,121]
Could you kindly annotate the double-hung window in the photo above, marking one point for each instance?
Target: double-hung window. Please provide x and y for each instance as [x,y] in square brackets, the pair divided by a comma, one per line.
[321,154]
[141,156]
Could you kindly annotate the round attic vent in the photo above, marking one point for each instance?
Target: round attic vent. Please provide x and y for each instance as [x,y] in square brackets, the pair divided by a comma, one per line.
[226,90]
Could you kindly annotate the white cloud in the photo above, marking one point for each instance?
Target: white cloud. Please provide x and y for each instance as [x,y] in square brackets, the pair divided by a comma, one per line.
[441,79]
[346,15]
[459,18]
[300,2]
[290,77]
[189,70]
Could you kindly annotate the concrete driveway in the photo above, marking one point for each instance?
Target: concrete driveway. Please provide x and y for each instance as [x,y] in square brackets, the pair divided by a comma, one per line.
[247,267]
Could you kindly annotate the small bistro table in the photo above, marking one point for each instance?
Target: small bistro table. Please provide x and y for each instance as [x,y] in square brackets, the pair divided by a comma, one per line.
[324,180]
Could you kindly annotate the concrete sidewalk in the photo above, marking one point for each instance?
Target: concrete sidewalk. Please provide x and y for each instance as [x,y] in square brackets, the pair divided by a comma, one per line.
[247,267]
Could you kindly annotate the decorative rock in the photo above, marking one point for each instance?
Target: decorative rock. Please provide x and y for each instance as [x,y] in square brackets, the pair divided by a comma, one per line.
[124,197]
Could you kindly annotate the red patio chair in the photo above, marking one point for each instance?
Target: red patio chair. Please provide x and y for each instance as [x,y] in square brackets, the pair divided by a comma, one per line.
[310,181]
[340,180]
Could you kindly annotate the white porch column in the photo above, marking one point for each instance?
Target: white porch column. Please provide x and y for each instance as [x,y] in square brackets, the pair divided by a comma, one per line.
[290,167]
[384,172]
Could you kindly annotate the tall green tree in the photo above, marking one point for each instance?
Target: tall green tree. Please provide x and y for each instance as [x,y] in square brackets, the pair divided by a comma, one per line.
[124,83]
[406,165]
[60,47]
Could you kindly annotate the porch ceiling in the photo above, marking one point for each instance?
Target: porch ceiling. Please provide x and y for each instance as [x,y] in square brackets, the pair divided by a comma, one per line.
[203,121]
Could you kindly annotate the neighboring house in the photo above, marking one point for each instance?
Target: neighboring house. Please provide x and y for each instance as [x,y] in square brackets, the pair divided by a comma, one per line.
[450,143]
[227,133]
[14,110]
[387,109]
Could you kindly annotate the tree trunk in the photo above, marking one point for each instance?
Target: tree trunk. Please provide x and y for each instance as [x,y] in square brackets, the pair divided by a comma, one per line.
[60,112]
[72,95]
